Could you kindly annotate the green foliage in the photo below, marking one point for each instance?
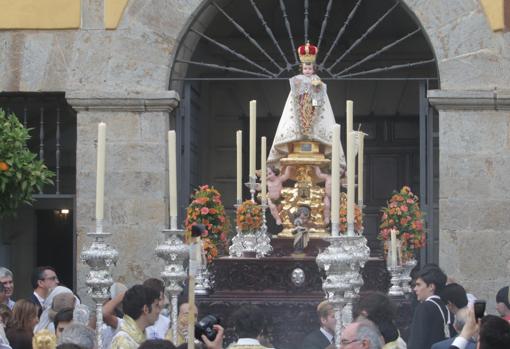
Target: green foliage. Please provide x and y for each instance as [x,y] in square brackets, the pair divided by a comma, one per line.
[20,172]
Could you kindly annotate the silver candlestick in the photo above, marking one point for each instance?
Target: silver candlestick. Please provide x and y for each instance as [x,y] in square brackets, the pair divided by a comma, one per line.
[341,261]
[395,289]
[405,277]
[263,247]
[100,257]
[252,185]
[236,249]
[174,252]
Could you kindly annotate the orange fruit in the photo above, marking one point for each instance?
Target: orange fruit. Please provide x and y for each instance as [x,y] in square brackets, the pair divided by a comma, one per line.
[3,166]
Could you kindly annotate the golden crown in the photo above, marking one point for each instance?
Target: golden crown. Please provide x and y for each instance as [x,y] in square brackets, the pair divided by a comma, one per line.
[307,53]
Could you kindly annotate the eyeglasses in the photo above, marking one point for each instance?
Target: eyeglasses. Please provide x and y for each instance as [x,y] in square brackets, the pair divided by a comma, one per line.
[344,342]
[52,278]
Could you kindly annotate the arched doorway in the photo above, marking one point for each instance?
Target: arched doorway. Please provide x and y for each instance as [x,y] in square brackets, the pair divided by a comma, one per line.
[373,52]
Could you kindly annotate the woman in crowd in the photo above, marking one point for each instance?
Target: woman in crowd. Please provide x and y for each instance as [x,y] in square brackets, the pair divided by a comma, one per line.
[20,328]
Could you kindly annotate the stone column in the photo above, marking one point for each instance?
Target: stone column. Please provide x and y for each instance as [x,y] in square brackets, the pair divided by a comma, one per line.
[136,176]
[474,163]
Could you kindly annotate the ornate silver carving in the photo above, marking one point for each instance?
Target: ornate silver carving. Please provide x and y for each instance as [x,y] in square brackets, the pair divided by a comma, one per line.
[174,252]
[405,277]
[263,247]
[298,277]
[395,289]
[341,261]
[100,257]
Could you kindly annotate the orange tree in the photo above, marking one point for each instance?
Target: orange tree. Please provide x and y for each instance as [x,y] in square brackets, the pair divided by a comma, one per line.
[20,172]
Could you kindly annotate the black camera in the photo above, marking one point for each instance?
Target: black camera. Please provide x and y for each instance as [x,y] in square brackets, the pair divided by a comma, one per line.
[205,327]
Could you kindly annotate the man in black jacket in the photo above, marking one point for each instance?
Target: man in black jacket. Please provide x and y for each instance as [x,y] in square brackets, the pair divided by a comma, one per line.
[324,336]
[432,321]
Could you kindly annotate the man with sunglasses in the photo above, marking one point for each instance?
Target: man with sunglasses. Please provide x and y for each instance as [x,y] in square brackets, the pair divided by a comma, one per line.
[43,279]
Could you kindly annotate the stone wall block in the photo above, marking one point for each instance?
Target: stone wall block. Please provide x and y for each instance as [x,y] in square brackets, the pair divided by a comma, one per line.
[154,126]
[36,55]
[465,176]
[448,251]
[90,60]
[475,132]
[480,70]
[138,184]
[136,157]
[436,13]
[455,214]
[450,39]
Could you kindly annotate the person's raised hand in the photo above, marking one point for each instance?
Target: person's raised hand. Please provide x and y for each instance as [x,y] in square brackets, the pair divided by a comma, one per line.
[217,343]
[471,327]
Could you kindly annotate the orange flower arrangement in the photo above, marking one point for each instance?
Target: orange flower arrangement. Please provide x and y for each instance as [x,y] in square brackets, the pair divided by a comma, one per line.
[249,216]
[403,214]
[206,208]
[358,220]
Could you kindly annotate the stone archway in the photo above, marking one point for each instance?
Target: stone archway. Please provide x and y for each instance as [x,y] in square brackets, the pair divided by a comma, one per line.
[374,52]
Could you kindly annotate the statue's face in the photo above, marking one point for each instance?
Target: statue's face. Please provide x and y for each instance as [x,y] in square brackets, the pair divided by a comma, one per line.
[307,69]
[298,277]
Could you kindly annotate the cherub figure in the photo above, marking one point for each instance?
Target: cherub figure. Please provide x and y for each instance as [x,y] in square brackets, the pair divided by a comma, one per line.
[327,196]
[274,184]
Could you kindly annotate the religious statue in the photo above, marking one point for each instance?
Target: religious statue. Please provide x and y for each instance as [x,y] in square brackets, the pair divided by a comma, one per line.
[303,142]
[301,223]
[307,114]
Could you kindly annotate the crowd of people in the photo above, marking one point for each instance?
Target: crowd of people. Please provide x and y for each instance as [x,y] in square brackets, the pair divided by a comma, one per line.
[53,317]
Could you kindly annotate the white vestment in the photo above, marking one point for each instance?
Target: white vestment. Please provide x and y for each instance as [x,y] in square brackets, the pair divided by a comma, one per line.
[289,128]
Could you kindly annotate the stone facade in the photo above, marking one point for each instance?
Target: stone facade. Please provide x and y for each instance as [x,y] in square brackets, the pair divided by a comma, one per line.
[130,67]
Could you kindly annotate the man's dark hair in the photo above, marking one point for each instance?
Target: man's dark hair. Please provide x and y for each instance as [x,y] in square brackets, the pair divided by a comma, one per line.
[379,309]
[377,305]
[155,284]
[494,333]
[38,274]
[136,297]
[156,344]
[503,296]
[63,315]
[248,321]
[432,274]
[455,294]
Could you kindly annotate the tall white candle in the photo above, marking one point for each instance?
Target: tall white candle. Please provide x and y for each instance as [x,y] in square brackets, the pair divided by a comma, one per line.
[350,168]
[361,146]
[253,136]
[263,175]
[349,116]
[172,177]
[335,180]
[393,248]
[100,170]
[239,162]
